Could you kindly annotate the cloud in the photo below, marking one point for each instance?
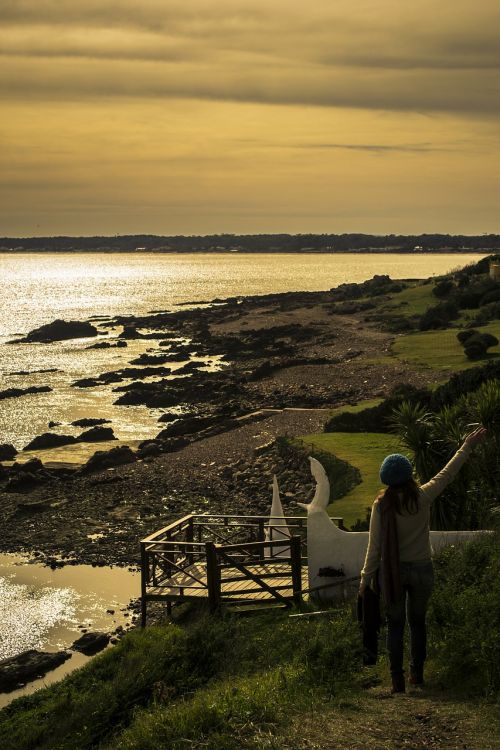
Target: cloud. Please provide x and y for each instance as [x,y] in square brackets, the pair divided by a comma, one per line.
[379,148]
[403,57]
[450,91]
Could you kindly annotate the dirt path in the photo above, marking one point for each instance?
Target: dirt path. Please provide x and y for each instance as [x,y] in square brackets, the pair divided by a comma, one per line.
[419,720]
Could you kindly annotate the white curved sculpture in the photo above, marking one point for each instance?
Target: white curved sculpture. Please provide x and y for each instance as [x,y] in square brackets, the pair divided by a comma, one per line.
[277,527]
[331,547]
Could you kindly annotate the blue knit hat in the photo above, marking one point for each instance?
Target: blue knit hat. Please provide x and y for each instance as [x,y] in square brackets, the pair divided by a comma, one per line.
[396,469]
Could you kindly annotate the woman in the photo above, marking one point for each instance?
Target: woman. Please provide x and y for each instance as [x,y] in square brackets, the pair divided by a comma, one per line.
[399,544]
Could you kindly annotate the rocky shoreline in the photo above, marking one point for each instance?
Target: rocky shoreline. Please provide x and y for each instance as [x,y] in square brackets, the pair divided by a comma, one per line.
[285,360]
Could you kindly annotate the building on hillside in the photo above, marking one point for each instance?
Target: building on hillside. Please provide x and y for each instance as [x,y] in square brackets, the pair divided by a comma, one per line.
[495,270]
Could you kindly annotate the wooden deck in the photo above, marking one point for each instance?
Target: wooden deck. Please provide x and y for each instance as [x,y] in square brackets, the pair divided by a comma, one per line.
[192,583]
[226,560]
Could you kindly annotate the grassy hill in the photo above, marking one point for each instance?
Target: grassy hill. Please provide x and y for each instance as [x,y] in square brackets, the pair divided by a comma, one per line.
[275,682]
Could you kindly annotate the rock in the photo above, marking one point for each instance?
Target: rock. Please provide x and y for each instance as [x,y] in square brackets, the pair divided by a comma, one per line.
[7,452]
[130,332]
[86,383]
[262,371]
[149,449]
[60,330]
[54,424]
[187,426]
[96,434]
[32,466]
[16,392]
[155,359]
[49,440]
[169,417]
[36,507]
[34,372]
[91,643]
[89,422]
[108,345]
[122,454]
[174,444]
[25,483]
[190,367]
[18,670]
[100,345]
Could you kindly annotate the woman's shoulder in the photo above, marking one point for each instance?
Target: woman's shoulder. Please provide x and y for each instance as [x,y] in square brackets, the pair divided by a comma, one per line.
[376,503]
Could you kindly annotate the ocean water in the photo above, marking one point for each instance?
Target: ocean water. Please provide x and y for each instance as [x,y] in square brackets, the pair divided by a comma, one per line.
[41,609]
[38,288]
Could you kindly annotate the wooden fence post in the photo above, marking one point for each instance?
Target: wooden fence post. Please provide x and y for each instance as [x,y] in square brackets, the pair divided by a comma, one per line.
[190,538]
[213,577]
[144,577]
[296,555]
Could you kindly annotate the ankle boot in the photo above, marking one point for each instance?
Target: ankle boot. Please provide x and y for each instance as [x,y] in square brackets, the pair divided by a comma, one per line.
[398,683]
[416,676]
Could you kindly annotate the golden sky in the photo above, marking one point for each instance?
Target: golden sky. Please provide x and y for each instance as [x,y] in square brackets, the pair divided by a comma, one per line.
[200,116]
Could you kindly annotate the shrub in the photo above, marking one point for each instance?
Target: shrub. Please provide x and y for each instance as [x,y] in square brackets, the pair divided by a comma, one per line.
[464,382]
[462,336]
[493,296]
[398,324]
[464,616]
[477,344]
[376,418]
[469,300]
[488,312]
[438,316]
[443,288]
[475,350]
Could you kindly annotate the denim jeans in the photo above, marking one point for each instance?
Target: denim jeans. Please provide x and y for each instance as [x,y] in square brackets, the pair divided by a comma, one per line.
[417,580]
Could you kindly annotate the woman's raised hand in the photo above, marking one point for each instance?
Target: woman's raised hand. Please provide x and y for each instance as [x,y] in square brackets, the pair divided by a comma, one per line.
[475,437]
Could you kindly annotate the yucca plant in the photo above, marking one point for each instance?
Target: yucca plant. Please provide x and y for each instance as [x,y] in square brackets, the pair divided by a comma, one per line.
[483,406]
[413,424]
[434,437]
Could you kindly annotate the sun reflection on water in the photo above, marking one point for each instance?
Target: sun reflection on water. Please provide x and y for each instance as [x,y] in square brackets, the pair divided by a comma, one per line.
[27,614]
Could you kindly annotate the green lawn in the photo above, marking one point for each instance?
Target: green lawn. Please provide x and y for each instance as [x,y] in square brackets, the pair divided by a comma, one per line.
[367,403]
[441,349]
[364,450]
[412,301]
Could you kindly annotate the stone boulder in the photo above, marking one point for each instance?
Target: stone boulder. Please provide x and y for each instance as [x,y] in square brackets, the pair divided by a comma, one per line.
[30,665]
[118,456]
[25,482]
[119,344]
[32,466]
[49,440]
[187,426]
[26,477]
[61,330]
[36,507]
[96,434]
[16,392]
[90,643]
[7,452]
[149,449]
[173,417]
[130,332]
[89,422]
[155,359]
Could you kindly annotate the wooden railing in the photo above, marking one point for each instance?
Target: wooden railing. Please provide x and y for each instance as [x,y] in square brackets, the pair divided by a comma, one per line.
[191,557]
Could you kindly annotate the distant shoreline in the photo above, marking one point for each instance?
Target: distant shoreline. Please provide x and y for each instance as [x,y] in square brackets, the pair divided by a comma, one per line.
[301,244]
[219,251]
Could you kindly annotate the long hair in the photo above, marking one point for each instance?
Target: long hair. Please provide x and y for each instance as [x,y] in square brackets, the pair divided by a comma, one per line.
[404,498]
